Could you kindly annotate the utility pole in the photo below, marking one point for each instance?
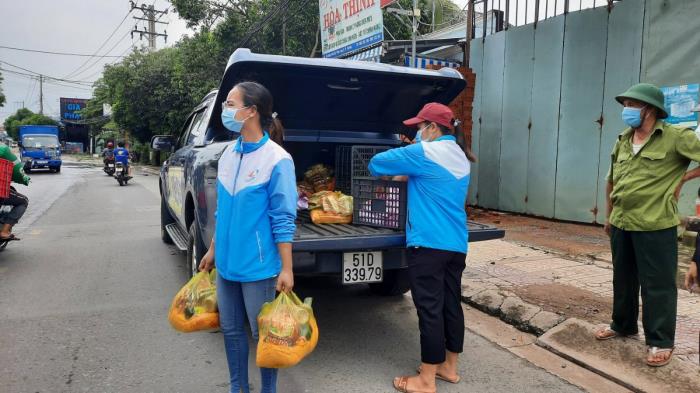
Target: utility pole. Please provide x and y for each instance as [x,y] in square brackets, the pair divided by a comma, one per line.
[470,29]
[415,13]
[284,35]
[413,37]
[41,94]
[149,15]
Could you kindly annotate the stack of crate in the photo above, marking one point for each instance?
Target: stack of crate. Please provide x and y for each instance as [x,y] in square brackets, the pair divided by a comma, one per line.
[376,202]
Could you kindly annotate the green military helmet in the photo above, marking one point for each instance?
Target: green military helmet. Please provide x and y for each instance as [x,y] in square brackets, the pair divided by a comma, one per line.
[647,93]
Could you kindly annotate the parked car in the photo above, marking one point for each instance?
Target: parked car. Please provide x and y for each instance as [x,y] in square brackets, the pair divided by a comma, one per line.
[325,104]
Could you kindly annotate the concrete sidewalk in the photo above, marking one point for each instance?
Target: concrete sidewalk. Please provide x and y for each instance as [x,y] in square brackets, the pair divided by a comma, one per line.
[536,290]
[514,269]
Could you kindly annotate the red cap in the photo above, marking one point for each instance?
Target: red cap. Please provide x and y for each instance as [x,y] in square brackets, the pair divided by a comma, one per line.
[433,112]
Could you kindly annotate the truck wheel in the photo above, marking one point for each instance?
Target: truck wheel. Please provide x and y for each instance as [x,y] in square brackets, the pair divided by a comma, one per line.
[58,169]
[165,219]
[395,283]
[195,251]
[27,169]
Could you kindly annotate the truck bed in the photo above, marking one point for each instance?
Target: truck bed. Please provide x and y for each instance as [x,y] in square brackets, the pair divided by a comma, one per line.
[338,237]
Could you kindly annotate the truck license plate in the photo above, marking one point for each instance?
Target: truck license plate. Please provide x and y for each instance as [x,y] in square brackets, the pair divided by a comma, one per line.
[362,267]
[42,162]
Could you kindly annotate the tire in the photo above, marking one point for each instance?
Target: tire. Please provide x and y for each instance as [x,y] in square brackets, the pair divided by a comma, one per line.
[121,182]
[195,250]
[58,169]
[395,283]
[27,169]
[165,219]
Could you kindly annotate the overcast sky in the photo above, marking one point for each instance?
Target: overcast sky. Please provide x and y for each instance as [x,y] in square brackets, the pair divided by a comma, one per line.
[83,26]
[78,26]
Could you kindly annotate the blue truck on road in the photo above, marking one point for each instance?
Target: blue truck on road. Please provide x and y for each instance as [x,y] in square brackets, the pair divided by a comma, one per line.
[326,105]
[39,148]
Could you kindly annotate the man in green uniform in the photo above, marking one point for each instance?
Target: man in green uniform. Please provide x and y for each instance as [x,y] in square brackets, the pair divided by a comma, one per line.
[649,162]
[18,201]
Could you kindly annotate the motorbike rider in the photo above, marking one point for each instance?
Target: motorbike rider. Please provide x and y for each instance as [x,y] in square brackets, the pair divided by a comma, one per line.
[16,200]
[108,152]
[121,154]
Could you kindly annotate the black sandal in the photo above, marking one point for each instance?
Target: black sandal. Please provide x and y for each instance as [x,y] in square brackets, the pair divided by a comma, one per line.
[9,238]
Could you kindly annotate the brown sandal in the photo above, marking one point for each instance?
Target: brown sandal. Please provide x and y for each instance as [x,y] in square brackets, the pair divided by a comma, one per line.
[653,351]
[401,383]
[606,334]
[441,377]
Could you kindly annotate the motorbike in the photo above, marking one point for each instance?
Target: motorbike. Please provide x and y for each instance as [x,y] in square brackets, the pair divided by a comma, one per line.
[121,174]
[109,167]
[4,209]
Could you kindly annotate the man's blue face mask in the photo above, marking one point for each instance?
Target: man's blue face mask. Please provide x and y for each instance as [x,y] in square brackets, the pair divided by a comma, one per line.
[632,116]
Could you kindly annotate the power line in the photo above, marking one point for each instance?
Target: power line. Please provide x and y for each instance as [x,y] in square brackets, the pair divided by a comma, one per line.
[263,22]
[49,52]
[36,74]
[97,59]
[102,70]
[101,46]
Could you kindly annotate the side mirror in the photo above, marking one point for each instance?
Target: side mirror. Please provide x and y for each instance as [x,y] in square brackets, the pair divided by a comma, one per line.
[163,143]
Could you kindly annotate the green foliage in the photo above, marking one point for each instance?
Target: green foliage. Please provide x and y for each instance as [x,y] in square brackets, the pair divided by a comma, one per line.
[24,117]
[153,92]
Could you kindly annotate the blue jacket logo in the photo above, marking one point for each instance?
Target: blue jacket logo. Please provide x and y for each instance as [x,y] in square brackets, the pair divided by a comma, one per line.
[252,175]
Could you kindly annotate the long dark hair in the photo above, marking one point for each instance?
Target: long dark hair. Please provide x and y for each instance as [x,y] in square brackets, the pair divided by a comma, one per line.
[255,94]
[457,132]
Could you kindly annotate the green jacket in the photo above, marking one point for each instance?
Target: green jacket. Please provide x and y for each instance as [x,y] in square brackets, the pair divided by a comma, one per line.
[18,175]
[644,183]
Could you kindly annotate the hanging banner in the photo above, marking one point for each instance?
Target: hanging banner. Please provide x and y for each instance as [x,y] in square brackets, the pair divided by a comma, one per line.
[350,25]
[679,102]
[71,107]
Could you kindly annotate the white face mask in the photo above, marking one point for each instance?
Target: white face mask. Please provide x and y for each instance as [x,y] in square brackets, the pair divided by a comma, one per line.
[419,135]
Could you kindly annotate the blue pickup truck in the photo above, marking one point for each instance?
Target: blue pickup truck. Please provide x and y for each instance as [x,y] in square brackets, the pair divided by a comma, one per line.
[324,104]
[39,148]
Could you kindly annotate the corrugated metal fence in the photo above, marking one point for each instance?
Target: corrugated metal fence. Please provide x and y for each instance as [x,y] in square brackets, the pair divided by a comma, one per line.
[545,118]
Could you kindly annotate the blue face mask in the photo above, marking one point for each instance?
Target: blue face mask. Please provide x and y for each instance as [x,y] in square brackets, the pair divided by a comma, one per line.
[419,135]
[632,116]
[228,118]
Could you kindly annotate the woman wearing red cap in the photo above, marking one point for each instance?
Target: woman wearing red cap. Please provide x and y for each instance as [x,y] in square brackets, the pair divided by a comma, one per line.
[438,177]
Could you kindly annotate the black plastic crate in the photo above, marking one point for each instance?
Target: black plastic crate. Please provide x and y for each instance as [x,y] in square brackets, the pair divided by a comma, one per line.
[379,203]
[343,169]
[361,155]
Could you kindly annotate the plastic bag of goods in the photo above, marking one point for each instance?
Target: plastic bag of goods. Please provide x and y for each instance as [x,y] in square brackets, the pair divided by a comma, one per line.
[194,307]
[320,177]
[331,208]
[287,331]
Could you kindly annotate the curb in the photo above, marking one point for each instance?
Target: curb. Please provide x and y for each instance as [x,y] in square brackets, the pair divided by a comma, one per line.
[619,360]
[509,308]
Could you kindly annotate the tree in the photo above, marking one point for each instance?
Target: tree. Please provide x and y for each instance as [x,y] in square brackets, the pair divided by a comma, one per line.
[153,92]
[24,117]
[2,96]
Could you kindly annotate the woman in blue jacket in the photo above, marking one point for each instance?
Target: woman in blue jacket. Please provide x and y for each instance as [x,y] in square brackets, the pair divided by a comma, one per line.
[256,210]
[436,234]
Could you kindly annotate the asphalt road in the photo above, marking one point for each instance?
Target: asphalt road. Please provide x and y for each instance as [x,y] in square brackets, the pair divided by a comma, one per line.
[84,298]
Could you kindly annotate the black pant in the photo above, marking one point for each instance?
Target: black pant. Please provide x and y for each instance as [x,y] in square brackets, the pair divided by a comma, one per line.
[646,261]
[19,205]
[436,282]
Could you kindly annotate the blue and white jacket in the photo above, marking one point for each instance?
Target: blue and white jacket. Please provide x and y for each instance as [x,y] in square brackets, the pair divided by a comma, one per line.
[256,209]
[438,179]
